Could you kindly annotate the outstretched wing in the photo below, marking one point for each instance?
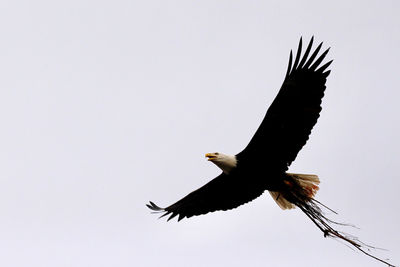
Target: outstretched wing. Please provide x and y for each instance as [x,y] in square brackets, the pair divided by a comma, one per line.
[225,192]
[292,115]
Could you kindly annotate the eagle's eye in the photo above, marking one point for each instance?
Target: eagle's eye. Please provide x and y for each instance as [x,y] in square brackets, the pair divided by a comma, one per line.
[216,153]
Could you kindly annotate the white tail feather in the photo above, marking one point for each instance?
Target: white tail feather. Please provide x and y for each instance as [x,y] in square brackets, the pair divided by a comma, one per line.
[281,201]
[309,182]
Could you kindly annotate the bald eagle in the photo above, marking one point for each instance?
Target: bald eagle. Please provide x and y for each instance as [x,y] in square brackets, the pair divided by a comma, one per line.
[263,164]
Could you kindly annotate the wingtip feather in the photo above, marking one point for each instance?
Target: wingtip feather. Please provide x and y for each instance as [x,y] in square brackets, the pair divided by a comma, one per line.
[305,56]
[299,48]
[319,60]
[290,63]
[154,207]
[326,74]
[165,214]
[311,59]
[181,216]
[325,66]
[172,216]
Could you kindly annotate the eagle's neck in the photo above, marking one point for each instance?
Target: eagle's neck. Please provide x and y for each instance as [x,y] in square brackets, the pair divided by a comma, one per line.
[226,163]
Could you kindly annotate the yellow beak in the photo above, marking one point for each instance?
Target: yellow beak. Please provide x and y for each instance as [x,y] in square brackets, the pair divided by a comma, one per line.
[210,156]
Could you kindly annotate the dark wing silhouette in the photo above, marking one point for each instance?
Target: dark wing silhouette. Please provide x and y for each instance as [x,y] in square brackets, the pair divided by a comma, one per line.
[287,125]
[225,192]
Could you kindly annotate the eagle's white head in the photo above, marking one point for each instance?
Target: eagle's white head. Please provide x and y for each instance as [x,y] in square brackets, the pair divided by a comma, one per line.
[225,162]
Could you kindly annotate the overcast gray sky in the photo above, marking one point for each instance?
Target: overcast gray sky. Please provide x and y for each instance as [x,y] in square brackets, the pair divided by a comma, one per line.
[108,104]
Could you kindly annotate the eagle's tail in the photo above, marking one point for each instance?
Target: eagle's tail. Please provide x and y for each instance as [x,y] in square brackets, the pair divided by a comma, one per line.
[300,192]
[305,186]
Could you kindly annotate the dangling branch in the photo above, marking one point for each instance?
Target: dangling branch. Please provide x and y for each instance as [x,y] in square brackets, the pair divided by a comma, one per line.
[313,211]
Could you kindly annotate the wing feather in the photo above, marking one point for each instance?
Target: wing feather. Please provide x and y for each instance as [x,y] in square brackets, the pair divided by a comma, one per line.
[321,69]
[326,73]
[225,192]
[296,61]
[311,59]
[306,53]
[319,60]
[290,63]
[287,125]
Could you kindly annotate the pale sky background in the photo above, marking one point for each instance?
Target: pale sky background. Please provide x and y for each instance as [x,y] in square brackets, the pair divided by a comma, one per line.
[106,105]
